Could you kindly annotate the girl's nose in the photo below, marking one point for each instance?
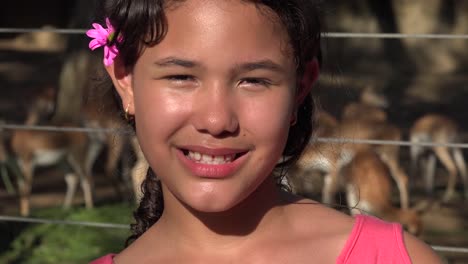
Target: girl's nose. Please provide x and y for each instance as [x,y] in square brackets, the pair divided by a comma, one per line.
[215,112]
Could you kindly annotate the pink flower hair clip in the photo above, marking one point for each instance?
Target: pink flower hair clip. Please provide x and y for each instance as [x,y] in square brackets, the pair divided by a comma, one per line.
[103,37]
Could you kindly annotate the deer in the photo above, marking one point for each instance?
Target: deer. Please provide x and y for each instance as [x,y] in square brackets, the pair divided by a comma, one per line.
[33,148]
[366,179]
[329,158]
[437,128]
[324,123]
[370,106]
[98,111]
[301,179]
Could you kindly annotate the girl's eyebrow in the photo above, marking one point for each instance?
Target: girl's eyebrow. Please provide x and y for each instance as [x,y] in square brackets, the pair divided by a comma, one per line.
[265,64]
[174,61]
[259,65]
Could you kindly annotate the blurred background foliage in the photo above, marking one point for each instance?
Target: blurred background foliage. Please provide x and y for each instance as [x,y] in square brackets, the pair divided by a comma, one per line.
[55,243]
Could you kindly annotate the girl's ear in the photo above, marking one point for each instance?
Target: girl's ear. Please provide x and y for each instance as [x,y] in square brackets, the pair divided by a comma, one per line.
[311,73]
[122,80]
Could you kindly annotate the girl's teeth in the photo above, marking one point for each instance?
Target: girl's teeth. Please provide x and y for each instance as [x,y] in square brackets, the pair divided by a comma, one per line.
[210,159]
[219,159]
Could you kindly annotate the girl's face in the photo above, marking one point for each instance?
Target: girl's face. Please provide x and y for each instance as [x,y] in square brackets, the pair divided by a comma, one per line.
[213,102]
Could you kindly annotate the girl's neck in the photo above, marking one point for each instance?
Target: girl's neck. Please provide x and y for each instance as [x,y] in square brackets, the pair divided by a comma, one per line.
[259,212]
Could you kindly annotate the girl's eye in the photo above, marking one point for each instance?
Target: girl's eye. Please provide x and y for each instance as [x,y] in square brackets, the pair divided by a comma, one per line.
[180,77]
[255,81]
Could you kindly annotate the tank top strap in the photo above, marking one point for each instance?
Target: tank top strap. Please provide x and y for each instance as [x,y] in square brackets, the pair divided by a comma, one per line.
[107,259]
[374,241]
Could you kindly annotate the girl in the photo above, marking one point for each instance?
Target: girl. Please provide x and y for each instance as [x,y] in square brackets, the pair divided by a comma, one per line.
[218,91]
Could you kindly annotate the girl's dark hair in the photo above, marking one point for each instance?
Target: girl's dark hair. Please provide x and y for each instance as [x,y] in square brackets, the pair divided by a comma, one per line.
[143,23]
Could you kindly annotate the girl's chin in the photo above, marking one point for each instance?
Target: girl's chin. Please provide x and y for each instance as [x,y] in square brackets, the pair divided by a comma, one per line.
[213,202]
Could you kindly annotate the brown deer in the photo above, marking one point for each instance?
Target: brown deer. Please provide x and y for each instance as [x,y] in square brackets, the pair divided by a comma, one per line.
[98,110]
[33,148]
[303,179]
[369,190]
[438,128]
[329,158]
[324,123]
[370,106]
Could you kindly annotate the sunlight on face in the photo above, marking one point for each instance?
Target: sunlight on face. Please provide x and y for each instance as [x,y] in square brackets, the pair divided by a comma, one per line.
[213,102]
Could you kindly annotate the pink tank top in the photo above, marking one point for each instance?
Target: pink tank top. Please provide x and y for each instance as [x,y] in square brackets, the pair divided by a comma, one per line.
[371,241]
[374,241]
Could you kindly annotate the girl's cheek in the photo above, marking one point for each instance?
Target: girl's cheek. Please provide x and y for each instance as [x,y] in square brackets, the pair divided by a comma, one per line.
[161,110]
[267,118]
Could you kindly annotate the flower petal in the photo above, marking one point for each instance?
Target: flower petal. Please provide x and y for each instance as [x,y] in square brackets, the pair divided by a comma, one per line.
[109,55]
[98,34]
[96,43]
[100,38]
[110,28]
[97,26]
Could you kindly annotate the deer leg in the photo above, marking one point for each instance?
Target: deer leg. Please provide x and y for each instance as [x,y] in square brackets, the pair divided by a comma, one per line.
[71,180]
[128,163]
[114,154]
[461,165]
[415,153]
[94,148]
[139,170]
[25,186]
[85,180]
[444,157]
[330,187]
[352,199]
[429,174]
[401,180]
[87,190]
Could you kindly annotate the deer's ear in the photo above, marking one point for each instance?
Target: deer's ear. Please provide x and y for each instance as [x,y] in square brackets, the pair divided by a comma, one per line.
[122,80]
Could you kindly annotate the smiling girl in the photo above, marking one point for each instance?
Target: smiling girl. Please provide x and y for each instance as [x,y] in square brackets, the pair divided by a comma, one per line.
[218,91]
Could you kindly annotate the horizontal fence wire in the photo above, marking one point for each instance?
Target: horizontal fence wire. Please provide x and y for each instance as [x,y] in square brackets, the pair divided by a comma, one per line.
[394,35]
[450,249]
[445,249]
[318,139]
[325,34]
[46,29]
[5,218]
[65,129]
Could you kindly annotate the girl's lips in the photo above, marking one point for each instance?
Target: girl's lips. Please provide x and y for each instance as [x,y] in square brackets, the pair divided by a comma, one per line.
[210,170]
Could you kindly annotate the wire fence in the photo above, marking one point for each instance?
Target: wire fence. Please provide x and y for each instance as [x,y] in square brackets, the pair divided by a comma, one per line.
[326,34]
[444,249]
[318,139]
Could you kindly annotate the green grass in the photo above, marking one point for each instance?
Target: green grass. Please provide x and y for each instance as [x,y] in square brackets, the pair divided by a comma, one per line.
[52,243]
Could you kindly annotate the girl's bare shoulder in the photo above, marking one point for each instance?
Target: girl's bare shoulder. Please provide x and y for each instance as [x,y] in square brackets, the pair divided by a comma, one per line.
[303,210]
[316,214]
[318,228]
